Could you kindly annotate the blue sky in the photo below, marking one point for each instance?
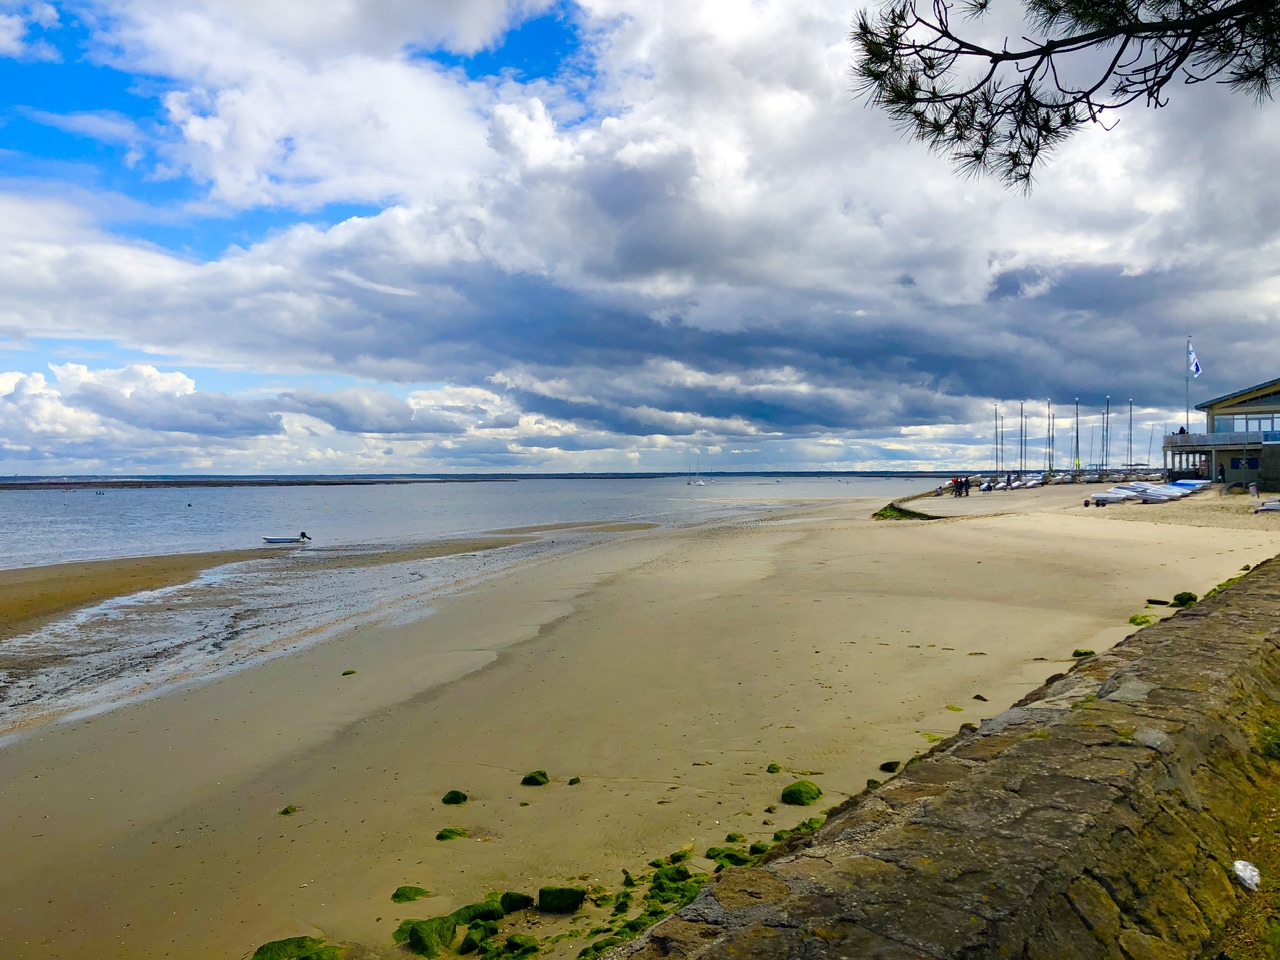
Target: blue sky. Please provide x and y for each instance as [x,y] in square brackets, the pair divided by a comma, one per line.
[242,237]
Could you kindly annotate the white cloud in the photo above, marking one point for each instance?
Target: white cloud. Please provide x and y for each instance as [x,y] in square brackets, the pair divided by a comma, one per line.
[719,242]
[17,17]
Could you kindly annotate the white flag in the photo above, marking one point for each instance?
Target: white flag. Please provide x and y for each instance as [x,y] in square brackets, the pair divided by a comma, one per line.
[1192,361]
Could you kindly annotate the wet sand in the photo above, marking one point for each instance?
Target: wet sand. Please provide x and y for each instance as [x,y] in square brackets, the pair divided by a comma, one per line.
[31,596]
[667,669]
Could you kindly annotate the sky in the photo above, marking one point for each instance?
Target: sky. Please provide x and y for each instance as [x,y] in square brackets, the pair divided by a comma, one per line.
[463,236]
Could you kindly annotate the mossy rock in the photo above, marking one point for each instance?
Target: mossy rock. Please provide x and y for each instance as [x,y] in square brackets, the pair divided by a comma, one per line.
[1184,599]
[772,768]
[408,894]
[623,903]
[801,793]
[454,797]
[674,884]
[810,825]
[759,847]
[484,910]
[521,943]
[538,778]
[1141,620]
[427,938]
[574,781]
[348,673]
[452,833]
[560,899]
[890,766]
[599,947]
[1080,653]
[1157,603]
[735,838]
[288,811]
[511,902]
[727,857]
[1270,741]
[297,948]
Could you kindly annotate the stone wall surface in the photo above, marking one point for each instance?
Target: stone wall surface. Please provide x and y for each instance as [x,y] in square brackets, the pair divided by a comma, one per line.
[1097,818]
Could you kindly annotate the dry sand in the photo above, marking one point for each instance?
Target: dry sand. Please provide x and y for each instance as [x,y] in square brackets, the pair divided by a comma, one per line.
[667,669]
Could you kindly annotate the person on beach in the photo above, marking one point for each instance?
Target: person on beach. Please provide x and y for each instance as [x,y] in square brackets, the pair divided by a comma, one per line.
[1222,473]
[966,486]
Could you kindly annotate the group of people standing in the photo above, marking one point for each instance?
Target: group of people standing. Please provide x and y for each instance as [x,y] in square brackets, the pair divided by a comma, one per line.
[959,486]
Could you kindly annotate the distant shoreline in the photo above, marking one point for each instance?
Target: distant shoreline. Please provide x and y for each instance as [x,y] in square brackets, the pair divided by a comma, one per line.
[139,482]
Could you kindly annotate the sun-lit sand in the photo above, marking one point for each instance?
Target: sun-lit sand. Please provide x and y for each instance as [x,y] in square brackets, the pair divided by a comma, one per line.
[666,669]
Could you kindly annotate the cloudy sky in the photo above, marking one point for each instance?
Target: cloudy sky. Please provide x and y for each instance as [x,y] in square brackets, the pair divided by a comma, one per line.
[252,236]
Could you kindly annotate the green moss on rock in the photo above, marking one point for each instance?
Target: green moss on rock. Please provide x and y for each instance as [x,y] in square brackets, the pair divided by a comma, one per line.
[454,797]
[560,899]
[288,811]
[484,910]
[511,902]
[772,768]
[801,793]
[1184,599]
[758,848]
[537,778]
[348,673]
[1080,652]
[451,833]
[427,938]
[408,894]
[574,781]
[297,948]
[727,857]
[519,944]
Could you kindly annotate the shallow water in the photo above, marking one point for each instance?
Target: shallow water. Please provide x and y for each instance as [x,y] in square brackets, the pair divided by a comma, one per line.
[353,572]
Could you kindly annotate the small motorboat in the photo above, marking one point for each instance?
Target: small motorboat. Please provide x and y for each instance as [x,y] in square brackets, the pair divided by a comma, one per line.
[300,538]
[1268,506]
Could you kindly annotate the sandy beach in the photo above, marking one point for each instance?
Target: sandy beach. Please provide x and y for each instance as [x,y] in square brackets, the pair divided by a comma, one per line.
[665,668]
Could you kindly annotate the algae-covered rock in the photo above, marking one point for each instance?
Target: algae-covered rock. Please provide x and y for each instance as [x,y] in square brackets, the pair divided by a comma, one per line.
[297,948]
[512,902]
[890,766]
[560,899]
[772,768]
[801,793]
[426,937]
[538,778]
[674,884]
[1184,599]
[758,848]
[288,811]
[599,947]
[348,673]
[727,857]
[574,781]
[484,910]
[408,894]
[454,797]
[735,838]
[1080,652]
[451,833]
[521,943]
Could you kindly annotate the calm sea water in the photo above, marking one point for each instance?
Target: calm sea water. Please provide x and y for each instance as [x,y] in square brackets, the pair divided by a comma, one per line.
[242,613]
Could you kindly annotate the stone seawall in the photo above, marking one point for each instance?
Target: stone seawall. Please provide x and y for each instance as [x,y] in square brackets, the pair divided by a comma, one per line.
[1097,818]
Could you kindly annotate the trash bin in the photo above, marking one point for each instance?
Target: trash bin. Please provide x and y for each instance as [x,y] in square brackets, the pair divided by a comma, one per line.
[1253,489]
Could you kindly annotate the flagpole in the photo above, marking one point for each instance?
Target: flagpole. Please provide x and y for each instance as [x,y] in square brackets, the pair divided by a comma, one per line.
[1186,376]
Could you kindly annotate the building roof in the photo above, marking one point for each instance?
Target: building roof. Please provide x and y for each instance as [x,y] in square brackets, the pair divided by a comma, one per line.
[1248,393]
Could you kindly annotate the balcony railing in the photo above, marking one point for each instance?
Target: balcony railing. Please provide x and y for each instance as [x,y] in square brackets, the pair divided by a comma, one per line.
[1252,438]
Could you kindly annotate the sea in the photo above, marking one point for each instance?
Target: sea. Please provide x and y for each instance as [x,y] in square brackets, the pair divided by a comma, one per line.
[358,568]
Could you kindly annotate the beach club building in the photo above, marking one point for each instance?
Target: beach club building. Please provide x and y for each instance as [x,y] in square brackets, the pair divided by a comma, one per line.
[1241,436]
